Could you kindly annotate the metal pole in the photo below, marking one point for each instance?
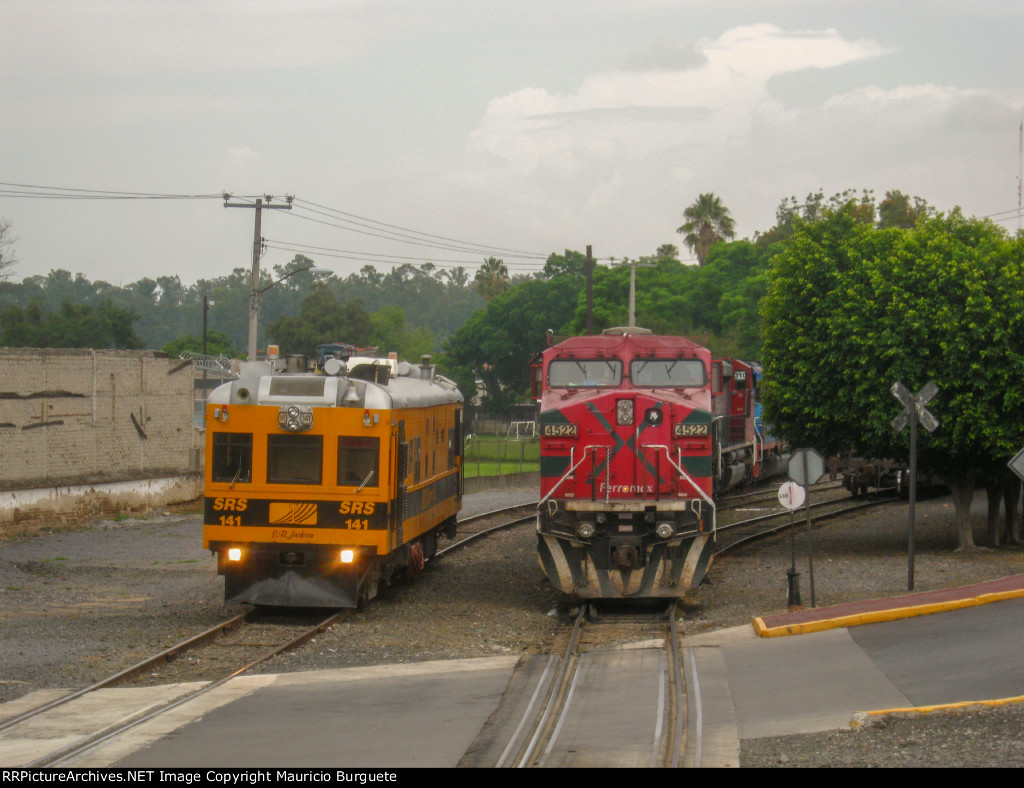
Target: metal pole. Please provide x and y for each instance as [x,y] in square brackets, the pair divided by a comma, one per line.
[254,293]
[793,576]
[206,309]
[810,533]
[632,295]
[913,494]
[590,291]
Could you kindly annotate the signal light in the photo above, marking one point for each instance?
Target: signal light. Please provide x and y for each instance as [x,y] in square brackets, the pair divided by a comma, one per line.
[348,556]
[234,554]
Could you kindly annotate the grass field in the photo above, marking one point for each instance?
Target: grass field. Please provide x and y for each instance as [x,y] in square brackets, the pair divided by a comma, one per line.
[493,455]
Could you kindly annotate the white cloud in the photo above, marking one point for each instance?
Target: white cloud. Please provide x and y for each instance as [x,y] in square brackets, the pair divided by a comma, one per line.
[653,139]
[719,96]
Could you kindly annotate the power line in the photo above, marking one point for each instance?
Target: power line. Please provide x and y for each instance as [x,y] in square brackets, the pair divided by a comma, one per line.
[333,217]
[413,237]
[393,259]
[405,232]
[66,193]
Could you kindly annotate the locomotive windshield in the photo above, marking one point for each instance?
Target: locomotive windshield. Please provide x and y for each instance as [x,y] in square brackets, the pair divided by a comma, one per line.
[579,372]
[667,372]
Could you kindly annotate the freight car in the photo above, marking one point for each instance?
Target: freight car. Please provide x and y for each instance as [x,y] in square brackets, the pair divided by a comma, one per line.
[322,488]
[639,435]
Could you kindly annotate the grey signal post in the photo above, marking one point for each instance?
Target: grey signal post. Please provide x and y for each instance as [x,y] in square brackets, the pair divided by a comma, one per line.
[913,412]
[805,467]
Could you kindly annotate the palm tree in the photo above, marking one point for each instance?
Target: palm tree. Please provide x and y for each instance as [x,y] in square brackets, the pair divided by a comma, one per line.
[667,252]
[707,223]
[492,278]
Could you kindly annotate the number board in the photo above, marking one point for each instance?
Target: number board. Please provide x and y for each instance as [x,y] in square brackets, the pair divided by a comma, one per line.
[561,430]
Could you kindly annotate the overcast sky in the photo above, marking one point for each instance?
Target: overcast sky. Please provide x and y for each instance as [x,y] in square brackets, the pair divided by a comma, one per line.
[514,127]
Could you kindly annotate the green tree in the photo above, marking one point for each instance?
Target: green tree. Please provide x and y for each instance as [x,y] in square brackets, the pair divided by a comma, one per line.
[74,325]
[491,278]
[390,333]
[322,319]
[852,308]
[707,223]
[217,344]
[896,210]
[667,252]
[496,344]
[572,262]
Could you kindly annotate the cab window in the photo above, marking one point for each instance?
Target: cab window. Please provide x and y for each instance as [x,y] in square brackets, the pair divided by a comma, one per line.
[232,457]
[667,372]
[582,373]
[294,459]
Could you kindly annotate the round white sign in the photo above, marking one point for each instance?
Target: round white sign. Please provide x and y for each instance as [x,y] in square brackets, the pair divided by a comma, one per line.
[791,495]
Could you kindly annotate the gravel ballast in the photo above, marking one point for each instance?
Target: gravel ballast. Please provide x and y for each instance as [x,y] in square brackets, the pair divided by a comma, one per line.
[82,603]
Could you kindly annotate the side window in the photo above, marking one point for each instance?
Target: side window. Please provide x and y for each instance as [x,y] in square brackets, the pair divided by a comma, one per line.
[716,378]
[358,461]
[232,457]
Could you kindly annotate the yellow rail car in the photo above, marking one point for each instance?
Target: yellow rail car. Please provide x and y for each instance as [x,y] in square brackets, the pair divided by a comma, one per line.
[320,489]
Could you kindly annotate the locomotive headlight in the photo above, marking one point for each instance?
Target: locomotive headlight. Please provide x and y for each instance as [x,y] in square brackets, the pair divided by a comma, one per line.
[294,418]
[624,412]
[585,530]
[348,556]
[664,530]
[234,554]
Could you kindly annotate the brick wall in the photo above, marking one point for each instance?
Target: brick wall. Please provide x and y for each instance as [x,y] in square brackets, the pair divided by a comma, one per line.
[71,417]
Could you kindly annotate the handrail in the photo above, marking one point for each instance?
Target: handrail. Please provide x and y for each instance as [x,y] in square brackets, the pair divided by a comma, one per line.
[682,472]
[566,476]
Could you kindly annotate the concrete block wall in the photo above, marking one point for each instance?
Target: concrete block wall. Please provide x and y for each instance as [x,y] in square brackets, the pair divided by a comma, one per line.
[72,417]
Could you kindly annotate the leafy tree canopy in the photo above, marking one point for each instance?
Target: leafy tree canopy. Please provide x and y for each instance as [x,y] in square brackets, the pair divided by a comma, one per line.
[74,325]
[322,319]
[217,344]
[497,344]
[852,308]
[391,333]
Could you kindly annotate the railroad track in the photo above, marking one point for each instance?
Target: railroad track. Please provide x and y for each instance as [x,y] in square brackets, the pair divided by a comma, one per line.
[733,534]
[596,705]
[768,492]
[224,651]
[240,645]
[478,526]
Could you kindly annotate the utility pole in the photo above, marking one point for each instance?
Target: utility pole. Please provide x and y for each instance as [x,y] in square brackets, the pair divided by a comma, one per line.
[632,289]
[590,291]
[257,245]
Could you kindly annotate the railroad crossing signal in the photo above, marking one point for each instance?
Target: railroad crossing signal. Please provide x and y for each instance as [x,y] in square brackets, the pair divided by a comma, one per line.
[914,412]
[912,404]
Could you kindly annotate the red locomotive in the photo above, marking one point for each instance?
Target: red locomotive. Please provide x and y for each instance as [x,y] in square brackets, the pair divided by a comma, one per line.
[639,434]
